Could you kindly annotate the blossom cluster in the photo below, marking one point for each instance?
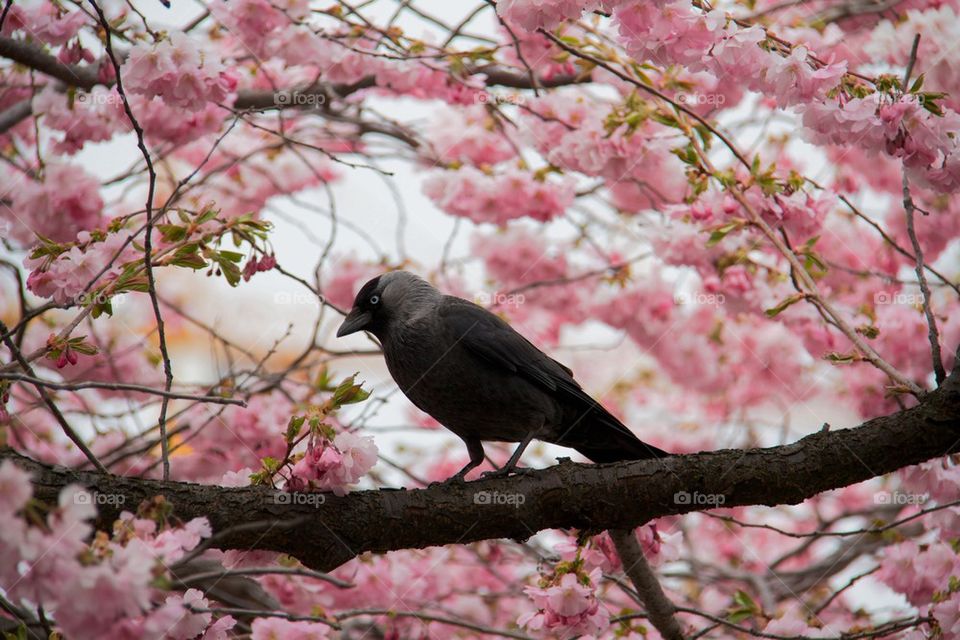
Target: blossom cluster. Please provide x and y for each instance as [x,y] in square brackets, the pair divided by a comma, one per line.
[470,193]
[333,465]
[105,589]
[87,264]
[177,71]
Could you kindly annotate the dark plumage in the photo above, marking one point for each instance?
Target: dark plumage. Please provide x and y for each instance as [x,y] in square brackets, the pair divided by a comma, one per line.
[481,379]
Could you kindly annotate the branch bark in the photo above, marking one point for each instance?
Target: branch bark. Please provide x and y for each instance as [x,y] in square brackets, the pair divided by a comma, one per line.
[660,610]
[325,531]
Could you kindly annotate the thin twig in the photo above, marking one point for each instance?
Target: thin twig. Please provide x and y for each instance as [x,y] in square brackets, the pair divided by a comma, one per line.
[147,242]
[118,386]
[47,400]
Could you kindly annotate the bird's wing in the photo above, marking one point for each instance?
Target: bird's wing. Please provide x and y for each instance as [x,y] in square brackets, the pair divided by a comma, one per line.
[491,339]
[494,341]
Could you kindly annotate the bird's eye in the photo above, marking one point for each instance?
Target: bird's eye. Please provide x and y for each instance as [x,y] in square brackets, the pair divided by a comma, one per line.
[374,299]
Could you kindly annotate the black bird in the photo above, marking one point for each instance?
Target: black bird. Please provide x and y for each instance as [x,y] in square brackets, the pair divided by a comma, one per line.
[479,378]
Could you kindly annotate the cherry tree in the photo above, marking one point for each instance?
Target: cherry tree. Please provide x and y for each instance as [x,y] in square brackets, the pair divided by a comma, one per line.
[733,219]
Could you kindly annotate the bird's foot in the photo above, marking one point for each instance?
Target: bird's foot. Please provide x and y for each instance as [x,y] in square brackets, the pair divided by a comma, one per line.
[504,472]
[459,478]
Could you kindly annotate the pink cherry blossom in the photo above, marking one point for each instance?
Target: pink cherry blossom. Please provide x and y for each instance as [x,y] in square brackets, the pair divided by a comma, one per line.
[273,628]
[15,489]
[177,71]
[332,466]
[67,276]
[47,22]
[472,194]
[531,15]
[43,207]
[567,608]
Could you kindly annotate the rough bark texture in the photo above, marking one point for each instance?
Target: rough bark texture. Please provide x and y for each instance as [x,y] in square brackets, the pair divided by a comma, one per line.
[568,495]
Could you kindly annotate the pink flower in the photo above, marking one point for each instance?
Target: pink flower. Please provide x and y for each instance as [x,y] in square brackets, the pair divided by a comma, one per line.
[853,122]
[668,32]
[251,22]
[739,55]
[15,489]
[918,572]
[332,466]
[65,278]
[531,15]
[793,80]
[567,608]
[468,135]
[470,193]
[92,117]
[518,256]
[66,201]
[166,123]
[46,21]
[276,628]
[177,71]
[947,614]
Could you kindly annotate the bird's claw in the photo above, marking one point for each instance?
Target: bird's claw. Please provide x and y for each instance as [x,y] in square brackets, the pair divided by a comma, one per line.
[459,478]
[504,472]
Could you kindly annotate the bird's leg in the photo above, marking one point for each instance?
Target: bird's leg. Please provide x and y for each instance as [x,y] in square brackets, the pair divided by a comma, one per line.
[514,459]
[475,449]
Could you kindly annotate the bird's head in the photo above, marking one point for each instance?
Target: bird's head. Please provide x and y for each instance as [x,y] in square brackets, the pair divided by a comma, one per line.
[395,296]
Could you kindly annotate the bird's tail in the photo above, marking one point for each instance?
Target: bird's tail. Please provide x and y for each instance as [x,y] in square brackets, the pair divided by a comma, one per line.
[600,437]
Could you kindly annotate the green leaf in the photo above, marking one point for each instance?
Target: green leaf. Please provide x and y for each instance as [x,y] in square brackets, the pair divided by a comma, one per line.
[917,84]
[187,256]
[868,331]
[739,615]
[232,256]
[347,392]
[745,607]
[294,427]
[743,599]
[721,232]
[207,216]
[231,272]
[842,358]
[791,300]
[172,232]
[271,465]
[80,345]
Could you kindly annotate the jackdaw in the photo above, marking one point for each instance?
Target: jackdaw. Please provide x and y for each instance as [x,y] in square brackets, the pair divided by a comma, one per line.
[479,378]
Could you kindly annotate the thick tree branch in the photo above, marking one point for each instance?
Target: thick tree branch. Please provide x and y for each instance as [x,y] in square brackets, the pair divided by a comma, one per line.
[30,55]
[324,531]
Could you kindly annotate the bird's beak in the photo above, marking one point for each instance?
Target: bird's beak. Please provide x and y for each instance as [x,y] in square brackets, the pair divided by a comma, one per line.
[355,321]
